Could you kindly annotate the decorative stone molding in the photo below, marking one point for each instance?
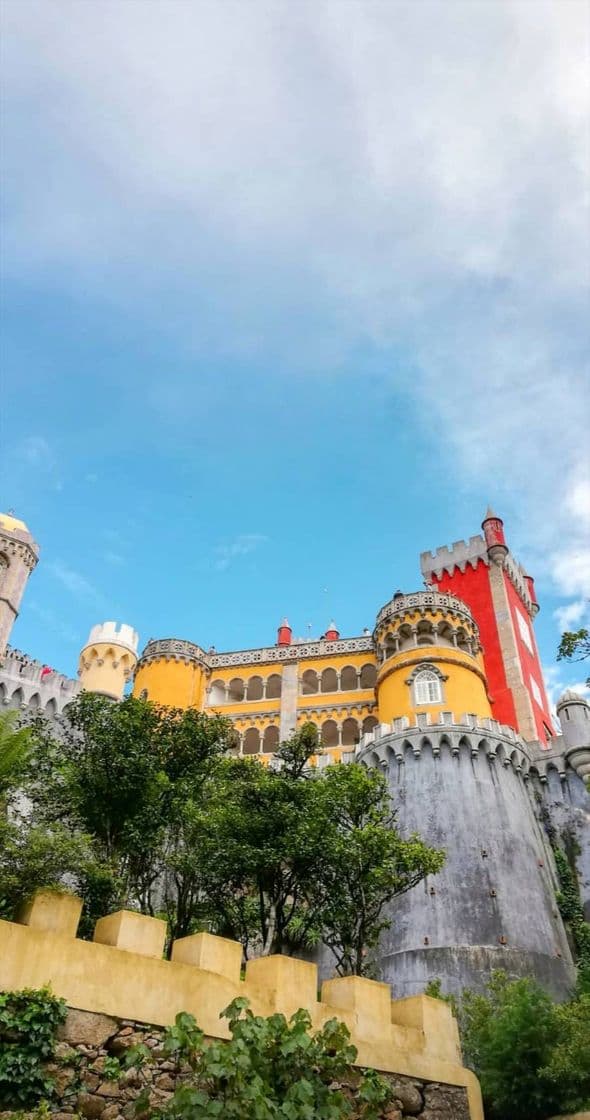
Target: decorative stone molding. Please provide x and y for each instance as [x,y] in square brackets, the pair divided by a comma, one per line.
[176,649]
[470,734]
[423,603]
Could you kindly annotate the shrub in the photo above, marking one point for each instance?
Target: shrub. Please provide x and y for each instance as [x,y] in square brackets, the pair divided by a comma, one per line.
[270,1069]
[28,1024]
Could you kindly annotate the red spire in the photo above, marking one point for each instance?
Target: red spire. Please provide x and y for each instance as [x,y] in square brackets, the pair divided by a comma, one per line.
[285,634]
[332,634]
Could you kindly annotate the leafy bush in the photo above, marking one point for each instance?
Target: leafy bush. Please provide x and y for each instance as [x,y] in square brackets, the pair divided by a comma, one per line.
[28,1024]
[271,1069]
[531,1056]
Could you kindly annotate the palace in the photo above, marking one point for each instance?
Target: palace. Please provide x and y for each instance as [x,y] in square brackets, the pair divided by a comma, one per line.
[444,695]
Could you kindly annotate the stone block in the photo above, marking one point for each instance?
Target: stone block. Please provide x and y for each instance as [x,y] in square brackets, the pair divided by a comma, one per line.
[368,1000]
[53,912]
[285,982]
[214,954]
[435,1019]
[133,932]
[87,1028]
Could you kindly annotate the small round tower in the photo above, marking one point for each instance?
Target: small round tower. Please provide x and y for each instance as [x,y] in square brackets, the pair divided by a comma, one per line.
[430,659]
[172,673]
[574,716]
[493,531]
[108,659]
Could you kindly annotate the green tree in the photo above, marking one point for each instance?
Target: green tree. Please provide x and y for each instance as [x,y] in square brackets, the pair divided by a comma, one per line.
[365,862]
[574,646]
[15,745]
[270,1069]
[125,776]
[294,855]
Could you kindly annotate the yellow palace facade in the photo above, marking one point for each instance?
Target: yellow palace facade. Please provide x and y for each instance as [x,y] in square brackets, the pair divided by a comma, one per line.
[422,663]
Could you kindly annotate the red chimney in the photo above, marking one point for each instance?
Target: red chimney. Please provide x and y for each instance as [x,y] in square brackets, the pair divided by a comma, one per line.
[493,531]
[284,634]
[332,634]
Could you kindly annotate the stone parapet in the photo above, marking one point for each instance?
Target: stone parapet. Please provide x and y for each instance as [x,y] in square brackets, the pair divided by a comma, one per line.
[423,602]
[125,979]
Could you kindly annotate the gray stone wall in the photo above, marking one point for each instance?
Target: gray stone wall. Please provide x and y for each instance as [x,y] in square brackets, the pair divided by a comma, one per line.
[493,905]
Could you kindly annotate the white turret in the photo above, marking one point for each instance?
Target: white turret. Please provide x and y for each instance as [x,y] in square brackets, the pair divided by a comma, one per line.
[108,659]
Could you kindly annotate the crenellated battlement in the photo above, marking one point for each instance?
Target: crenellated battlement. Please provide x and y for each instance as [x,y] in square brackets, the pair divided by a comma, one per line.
[466,734]
[457,555]
[27,683]
[122,973]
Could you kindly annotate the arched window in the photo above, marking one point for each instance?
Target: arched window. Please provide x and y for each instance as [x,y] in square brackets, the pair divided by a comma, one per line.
[270,741]
[143,694]
[3,567]
[17,699]
[51,707]
[368,676]
[350,733]
[273,686]
[330,733]
[35,701]
[236,691]
[427,687]
[329,680]
[255,688]
[348,679]
[369,723]
[309,682]
[251,741]
[217,693]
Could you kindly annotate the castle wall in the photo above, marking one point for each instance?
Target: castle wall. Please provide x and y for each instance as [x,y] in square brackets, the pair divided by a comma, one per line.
[493,904]
[121,974]
[567,802]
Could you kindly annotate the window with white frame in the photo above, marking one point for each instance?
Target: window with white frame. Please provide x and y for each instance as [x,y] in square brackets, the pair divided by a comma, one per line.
[427,688]
[536,691]
[525,630]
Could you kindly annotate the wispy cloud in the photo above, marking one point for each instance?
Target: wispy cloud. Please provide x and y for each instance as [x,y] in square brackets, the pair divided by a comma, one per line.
[114,558]
[54,622]
[74,582]
[242,545]
[417,172]
[572,615]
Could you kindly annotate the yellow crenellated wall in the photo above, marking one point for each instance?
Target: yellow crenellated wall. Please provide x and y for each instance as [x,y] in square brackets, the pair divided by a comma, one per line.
[464,690]
[121,973]
[105,668]
[171,682]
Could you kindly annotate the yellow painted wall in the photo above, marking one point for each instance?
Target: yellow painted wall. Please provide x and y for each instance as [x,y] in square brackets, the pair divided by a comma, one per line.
[464,691]
[105,667]
[174,684]
[122,973]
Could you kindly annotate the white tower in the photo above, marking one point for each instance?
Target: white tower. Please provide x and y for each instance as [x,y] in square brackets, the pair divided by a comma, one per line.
[108,659]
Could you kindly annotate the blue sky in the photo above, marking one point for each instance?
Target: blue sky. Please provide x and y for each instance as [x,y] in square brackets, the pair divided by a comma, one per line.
[290,293]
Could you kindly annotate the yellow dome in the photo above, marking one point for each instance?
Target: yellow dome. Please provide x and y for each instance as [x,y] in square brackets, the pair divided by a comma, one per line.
[10,523]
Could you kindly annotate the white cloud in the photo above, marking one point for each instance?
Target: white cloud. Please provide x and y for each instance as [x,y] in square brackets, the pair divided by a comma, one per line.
[418,170]
[572,615]
[242,545]
[74,582]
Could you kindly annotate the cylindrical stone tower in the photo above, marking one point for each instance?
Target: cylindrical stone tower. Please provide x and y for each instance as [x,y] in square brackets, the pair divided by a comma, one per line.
[458,778]
[108,659]
[173,673]
[19,554]
[493,905]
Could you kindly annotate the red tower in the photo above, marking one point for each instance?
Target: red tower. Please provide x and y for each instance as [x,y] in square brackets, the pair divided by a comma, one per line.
[484,574]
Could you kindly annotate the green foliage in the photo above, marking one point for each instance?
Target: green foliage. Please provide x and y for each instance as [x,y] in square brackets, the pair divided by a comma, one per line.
[270,1069]
[35,856]
[15,745]
[570,908]
[291,855]
[364,862]
[28,1024]
[574,645]
[434,990]
[532,1057]
[127,775]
